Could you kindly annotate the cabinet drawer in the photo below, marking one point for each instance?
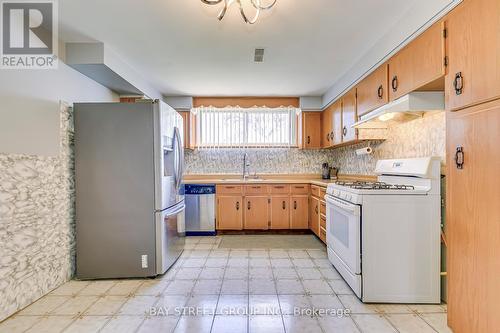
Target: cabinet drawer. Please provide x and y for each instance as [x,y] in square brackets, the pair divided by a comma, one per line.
[322,235]
[280,189]
[322,222]
[229,189]
[256,189]
[322,208]
[315,191]
[300,189]
[322,193]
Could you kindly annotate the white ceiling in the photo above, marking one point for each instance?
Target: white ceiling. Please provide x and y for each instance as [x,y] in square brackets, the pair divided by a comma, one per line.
[182,49]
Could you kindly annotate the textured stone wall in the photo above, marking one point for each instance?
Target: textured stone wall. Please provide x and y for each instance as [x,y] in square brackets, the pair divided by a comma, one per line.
[418,138]
[37,244]
[278,160]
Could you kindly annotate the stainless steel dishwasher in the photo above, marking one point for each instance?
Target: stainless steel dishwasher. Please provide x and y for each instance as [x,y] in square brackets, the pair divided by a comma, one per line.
[200,209]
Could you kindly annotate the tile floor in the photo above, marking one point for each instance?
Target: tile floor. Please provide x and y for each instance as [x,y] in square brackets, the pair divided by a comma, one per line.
[224,290]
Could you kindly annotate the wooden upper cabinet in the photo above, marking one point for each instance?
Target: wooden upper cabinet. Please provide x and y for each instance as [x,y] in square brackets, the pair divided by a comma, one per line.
[230,212]
[257,213]
[311,130]
[472,218]
[189,123]
[327,127]
[373,91]
[473,45]
[280,212]
[337,122]
[421,62]
[299,212]
[349,116]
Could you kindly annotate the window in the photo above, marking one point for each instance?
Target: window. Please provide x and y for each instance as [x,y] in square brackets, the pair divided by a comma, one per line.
[239,127]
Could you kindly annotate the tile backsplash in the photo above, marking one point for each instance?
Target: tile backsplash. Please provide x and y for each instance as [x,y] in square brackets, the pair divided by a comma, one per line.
[418,138]
[278,160]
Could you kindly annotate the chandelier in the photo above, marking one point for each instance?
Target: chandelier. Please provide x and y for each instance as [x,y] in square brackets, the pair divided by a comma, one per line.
[257,4]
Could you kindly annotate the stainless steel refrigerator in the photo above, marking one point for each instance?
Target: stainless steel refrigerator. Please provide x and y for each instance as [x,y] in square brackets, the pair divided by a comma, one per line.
[128,166]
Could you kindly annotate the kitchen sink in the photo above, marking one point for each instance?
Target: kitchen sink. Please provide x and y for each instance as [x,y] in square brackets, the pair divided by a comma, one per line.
[242,180]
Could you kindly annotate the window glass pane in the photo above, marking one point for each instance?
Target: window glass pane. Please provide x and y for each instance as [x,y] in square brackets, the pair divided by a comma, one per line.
[237,127]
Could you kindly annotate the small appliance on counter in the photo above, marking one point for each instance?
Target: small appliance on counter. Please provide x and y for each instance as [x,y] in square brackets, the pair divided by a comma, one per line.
[329,172]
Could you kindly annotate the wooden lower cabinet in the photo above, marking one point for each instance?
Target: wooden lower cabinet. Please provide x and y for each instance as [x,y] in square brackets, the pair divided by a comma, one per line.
[264,206]
[280,212]
[299,212]
[256,213]
[230,212]
[314,215]
[473,218]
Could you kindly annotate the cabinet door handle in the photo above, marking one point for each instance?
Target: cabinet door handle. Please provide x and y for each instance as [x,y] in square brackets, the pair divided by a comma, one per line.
[380,91]
[316,209]
[249,205]
[300,187]
[458,83]
[229,187]
[328,137]
[237,205]
[332,135]
[295,205]
[255,187]
[460,157]
[394,83]
[344,131]
[284,205]
[308,139]
[279,187]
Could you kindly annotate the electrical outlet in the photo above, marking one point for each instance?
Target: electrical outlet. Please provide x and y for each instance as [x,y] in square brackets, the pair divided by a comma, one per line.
[144,261]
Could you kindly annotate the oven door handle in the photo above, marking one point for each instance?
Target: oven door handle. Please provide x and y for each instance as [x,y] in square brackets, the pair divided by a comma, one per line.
[348,207]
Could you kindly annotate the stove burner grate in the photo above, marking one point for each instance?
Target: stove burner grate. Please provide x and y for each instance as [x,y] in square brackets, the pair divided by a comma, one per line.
[362,185]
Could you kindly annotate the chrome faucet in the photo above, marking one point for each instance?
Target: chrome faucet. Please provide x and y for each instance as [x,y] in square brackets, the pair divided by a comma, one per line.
[246,166]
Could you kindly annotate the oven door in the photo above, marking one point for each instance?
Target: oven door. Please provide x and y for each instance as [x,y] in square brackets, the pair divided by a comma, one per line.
[343,235]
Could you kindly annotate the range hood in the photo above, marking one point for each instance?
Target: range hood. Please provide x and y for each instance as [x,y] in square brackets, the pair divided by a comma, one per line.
[405,108]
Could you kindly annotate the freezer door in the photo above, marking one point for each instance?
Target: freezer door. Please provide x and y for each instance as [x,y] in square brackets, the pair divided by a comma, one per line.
[169,243]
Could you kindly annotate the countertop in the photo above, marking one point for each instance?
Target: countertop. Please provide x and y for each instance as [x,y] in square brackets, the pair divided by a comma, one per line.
[313,179]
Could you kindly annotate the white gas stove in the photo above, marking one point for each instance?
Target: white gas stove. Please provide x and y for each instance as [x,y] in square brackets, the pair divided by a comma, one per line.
[384,236]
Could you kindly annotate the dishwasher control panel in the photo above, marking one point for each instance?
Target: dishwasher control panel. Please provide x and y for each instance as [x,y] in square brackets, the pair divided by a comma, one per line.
[199,189]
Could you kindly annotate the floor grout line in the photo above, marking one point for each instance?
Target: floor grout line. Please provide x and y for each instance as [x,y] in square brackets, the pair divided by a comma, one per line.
[206,255]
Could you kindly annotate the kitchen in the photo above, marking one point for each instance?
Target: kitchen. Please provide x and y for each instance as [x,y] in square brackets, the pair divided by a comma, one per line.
[259,178]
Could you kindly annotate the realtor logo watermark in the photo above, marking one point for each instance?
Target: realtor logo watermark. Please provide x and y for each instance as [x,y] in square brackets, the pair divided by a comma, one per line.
[29,36]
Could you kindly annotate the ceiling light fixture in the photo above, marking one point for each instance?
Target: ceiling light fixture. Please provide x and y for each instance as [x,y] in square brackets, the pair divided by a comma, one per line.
[257,4]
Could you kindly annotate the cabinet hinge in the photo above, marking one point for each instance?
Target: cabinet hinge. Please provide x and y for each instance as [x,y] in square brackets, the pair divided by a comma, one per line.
[445,61]
[268,201]
[445,33]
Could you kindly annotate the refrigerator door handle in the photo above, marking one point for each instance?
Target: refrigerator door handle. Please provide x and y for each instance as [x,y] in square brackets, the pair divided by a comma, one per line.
[176,210]
[180,162]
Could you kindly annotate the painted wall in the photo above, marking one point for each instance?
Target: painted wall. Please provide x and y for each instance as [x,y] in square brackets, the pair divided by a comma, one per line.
[29,107]
[36,181]
[422,137]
